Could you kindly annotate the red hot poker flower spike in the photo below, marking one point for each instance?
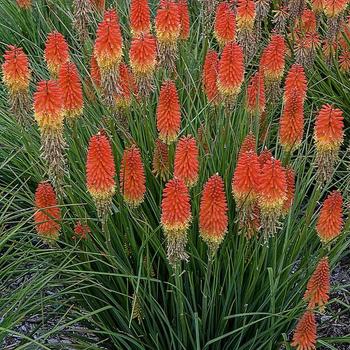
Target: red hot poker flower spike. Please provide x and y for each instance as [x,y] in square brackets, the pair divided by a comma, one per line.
[296,83]
[108,51]
[186,164]
[140,18]
[305,332]
[224,25]
[16,77]
[329,128]
[168,112]
[132,177]
[70,84]
[317,290]
[168,25]
[231,72]
[245,186]
[100,173]
[272,195]
[184,19]
[245,15]
[143,60]
[48,112]
[330,220]
[16,73]
[245,26]
[56,52]
[292,123]
[48,215]
[308,22]
[210,76]
[213,220]
[328,135]
[273,59]
[333,8]
[245,181]
[109,42]
[168,29]
[176,217]
[48,106]
[143,54]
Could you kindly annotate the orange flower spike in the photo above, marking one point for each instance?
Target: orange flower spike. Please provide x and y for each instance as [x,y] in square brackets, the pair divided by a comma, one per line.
[333,8]
[225,24]
[100,172]
[213,220]
[296,83]
[143,55]
[256,95]
[184,20]
[56,52]
[140,17]
[168,113]
[16,77]
[245,186]
[186,165]
[272,186]
[109,42]
[175,219]
[160,163]
[81,231]
[290,177]
[24,4]
[245,15]
[328,135]
[245,181]
[318,286]
[231,71]
[305,332]
[210,75]
[15,69]
[168,24]
[48,106]
[292,124]
[308,22]
[70,84]
[329,129]
[273,59]
[95,72]
[48,113]
[47,216]
[330,220]
[272,195]
[132,177]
